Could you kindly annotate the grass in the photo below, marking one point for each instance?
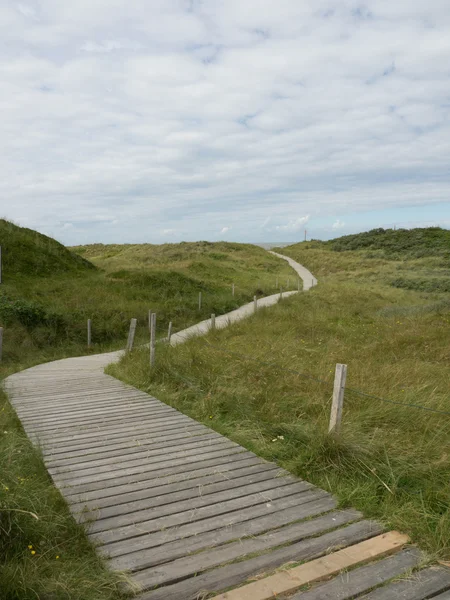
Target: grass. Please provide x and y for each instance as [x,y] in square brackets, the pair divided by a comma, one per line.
[47,294]
[390,461]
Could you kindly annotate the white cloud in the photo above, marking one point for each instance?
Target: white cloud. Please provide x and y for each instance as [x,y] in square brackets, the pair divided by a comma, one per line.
[226,113]
[225,229]
[338,224]
[168,231]
[294,225]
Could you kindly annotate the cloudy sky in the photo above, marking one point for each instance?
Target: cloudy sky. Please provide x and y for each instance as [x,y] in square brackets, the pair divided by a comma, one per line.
[248,120]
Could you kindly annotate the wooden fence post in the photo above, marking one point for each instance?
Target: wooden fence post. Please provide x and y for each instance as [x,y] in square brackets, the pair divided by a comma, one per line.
[1,343]
[149,320]
[232,290]
[89,333]
[338,398]
[131,333]
[153,340]
[199,301]
[213,322]
[255,303]
[169,332]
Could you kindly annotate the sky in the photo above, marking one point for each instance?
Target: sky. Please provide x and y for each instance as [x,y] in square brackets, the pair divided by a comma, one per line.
[242,120]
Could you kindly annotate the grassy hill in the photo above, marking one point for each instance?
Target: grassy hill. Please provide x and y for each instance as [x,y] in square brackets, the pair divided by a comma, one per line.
[27,253]
[267,382]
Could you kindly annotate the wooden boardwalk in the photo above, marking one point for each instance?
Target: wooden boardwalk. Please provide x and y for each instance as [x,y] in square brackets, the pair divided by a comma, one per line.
[188,512]
[183,508]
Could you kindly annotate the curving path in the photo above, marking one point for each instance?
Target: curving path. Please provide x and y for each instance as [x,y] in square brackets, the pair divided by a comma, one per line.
[309,280]
[184,509]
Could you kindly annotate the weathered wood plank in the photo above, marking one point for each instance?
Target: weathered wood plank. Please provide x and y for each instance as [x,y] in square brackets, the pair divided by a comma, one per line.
[260,483]
[141,465]
[146,452]
[119,506]
[222,514]
[422,584]
[271,523]
[362,579]
[291,580]
[186,470]
[127,448]
[237,573]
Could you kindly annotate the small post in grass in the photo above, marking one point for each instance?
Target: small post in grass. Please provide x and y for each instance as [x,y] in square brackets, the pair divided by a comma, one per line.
[255,303]
[338,398]
[232,290]
[281,293]
[213,322]
[312,282]
[153,340]
[276,284]
[169,333]
[1,343]
[131,333]
[149,320]
[89,333]
[199,301]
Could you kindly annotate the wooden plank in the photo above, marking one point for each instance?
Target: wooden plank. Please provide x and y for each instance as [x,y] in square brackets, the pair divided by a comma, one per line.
[444,596]
[234,574]
[139,512]
[148,500]
[422,584]
[159,468]
[86,420]
[363,579]
[139,452]
[78,404]
[141,464]
[93,431]
[163,518]
[126,448]
[174,473]
[245,515]
[321,568]
[173,550]
[119,431]
[213,557]
[173,491]
[124,440]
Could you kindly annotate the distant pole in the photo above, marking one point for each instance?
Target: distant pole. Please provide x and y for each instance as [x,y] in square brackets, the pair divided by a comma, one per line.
[89,333]
[281,293]
[169,332]
[213,322]
[255,303]
[1,343]
[232,290]
[199,301]
[153,340]
[131,333]
[305,235]
[149,320]
[312,282]
[338,398]
[276,284]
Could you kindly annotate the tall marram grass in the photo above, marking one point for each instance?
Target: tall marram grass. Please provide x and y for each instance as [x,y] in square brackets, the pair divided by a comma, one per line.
[390,461]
